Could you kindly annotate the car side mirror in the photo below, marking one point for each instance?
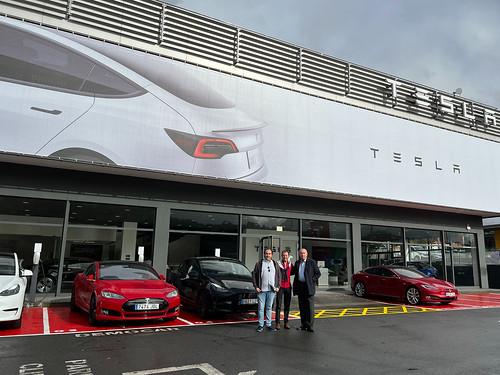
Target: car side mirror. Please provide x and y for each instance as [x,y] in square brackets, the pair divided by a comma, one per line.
[90,278]
[193,274]
[26,273]
[163,277]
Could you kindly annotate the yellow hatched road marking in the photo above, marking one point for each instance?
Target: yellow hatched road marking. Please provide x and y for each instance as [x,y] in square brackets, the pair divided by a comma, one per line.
[365,311]
[318,314]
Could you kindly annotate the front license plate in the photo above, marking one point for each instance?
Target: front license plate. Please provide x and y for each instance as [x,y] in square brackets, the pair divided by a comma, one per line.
[450,294]
[147,306]
[248,301]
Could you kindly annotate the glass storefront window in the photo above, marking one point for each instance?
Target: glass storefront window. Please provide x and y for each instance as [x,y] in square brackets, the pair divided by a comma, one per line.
[84,213]
[103,231]
[26,221]
[381,233]
[381,245]
[259,223]
[185,245]
[424,252]
[325,229]
[329,244]
[492,255]
[261,232]
[203,221]
[332,259]
[460,248]
[198,233]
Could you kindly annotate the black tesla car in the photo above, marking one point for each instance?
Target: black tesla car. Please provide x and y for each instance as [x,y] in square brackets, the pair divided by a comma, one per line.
[215,284]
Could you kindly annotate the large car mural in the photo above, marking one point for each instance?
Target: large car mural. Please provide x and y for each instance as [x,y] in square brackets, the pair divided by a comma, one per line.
[68,96]
[62,99]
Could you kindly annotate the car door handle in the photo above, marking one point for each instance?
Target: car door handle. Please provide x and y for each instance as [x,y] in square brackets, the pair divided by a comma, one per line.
[49,111]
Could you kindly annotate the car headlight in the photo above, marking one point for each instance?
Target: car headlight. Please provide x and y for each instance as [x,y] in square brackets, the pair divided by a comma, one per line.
[107,294]
[429,287]
[217,286]
[11,291]
[173,293]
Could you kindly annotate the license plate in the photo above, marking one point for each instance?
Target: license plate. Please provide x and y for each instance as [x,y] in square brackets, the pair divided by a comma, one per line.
[248,301]
[147,306]
[450,294]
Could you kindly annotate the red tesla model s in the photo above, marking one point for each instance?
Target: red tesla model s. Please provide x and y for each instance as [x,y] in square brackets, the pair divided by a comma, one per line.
[402,283]
[124,290]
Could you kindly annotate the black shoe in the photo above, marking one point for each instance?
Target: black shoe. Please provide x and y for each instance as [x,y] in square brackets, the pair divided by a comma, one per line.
[309,329]
[303,328]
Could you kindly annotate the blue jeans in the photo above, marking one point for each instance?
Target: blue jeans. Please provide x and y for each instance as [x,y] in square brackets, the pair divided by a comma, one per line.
[265,301]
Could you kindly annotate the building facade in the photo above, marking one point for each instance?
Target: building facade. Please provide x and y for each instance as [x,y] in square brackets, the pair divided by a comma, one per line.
[142,125]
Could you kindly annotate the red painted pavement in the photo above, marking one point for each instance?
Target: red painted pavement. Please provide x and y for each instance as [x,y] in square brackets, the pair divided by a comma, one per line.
[473,301]
[54,320]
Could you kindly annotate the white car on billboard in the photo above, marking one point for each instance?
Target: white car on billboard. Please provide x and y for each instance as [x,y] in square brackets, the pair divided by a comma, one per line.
[13,281]
[62,99]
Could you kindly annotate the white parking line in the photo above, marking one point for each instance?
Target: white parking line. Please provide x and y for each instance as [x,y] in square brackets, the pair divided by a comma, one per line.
[206,368]
[46,326]
[186,321]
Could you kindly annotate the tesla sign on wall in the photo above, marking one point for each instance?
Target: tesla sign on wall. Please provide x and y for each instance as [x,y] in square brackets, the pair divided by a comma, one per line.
[71,97]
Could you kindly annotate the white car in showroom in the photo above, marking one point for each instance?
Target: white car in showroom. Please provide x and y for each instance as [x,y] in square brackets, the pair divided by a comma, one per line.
[13,281]
[108,104]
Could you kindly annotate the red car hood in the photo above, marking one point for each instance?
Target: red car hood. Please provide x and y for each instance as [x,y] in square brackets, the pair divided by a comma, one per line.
[138,288]
[436,283]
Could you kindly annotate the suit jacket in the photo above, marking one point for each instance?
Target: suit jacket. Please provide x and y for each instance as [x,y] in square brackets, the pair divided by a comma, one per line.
[311,274]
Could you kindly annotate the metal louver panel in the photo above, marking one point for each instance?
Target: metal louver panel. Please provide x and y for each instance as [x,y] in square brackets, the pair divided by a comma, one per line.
[135,19]
[267,56]
[323,73]
[54,8]
[188,33]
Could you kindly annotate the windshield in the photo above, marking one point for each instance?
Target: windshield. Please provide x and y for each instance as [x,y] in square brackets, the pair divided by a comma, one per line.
[127,272]
[7,265]
[218,268]
[412,274]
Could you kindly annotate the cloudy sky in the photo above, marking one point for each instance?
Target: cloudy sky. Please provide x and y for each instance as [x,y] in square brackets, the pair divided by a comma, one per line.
[444,44]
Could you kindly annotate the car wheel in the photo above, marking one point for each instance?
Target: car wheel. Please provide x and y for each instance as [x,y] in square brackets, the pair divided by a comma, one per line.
[93,313]
[359,289]
[45,285]
[203,305]
[72,302]
[412,295]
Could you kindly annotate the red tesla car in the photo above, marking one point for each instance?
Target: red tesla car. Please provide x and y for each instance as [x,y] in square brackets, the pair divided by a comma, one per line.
[402,283]
[123,290]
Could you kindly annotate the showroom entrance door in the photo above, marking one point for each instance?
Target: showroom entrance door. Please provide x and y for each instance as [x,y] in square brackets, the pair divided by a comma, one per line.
[253,248]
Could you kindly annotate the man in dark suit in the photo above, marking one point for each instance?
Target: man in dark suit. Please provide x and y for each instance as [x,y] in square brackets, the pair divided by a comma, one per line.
[306,273]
